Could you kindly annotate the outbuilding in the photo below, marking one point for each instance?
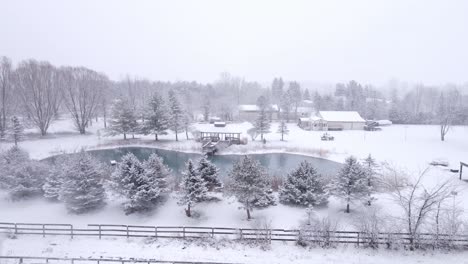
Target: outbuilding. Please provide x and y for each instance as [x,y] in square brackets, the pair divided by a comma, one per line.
[343,120]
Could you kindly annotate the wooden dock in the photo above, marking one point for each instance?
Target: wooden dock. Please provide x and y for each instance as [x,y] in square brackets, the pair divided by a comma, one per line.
[213,142]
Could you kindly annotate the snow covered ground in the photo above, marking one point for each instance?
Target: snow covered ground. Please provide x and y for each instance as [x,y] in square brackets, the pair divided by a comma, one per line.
[408,147]
[219,250]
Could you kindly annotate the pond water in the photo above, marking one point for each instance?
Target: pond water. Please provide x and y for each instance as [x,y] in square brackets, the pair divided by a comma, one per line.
[278,164]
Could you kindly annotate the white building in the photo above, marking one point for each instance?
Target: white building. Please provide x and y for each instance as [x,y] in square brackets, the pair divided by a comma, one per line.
[342,120]
[313,123]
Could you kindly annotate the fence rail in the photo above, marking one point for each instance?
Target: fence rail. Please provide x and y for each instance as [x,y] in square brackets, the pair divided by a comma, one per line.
[133,231]
[57,260]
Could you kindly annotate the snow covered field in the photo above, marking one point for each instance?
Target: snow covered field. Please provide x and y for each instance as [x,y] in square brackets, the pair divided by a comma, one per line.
[219,250]
[408,147]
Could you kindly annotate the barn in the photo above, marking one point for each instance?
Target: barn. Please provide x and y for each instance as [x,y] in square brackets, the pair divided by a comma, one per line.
[343,120]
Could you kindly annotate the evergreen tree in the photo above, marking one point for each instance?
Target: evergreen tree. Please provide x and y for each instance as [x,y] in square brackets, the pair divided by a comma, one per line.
[283,129]
[156,170]
[193,188]
[370,166]
[304,187]
[54,180]
[123,119]
[206,107]
[82,189]
[351,183]
[249,184]
[209,173]
[262,124]
[176,114]
[16,130]
[21,176]
[157,118]
[140,189]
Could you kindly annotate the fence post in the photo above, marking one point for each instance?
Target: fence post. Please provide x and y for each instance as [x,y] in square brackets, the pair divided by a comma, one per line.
[156,231]
[183,231]
[43,230]
[127,233]
[358,239]
[71,231]
[16,228]
[46,260]
[241,235]
[99,231]
[21,260]
[212,232]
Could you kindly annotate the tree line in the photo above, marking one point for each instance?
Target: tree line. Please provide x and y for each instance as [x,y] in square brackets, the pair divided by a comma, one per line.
[38,93]
[82,184]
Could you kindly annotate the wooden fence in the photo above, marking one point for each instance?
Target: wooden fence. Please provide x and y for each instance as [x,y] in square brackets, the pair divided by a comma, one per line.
[322,237]
[56,260]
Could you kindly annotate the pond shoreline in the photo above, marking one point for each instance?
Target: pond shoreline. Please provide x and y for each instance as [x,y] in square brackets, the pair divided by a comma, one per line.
[277,163]
[338,158]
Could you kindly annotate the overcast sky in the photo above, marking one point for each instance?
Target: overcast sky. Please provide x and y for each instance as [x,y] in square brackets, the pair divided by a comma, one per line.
[327,41]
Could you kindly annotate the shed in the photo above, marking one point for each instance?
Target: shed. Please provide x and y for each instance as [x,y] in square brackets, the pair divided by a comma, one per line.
[343,120]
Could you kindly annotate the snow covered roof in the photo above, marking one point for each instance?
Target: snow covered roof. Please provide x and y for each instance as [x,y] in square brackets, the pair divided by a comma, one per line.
[309,119]
[341,116]
[254,108]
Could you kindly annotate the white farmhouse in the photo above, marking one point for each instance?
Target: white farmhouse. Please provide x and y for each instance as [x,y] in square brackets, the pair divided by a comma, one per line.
[342,120]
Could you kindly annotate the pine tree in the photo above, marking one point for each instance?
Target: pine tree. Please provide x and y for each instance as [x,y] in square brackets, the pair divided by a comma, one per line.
[140,189]
[176,114]
[55,178]
[351,183]
[157,118]
[370,166]
[82,189]
[249,184]
[283,129]
[16,130]
[209,173]
[206,107]
[304,187]
[193,188]
[262,124]
[21,176]
[156,170]
[123,119]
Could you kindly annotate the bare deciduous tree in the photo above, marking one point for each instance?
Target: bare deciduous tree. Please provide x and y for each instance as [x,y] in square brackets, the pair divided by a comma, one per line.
[6,85]
[37,85]
[82,90]
[417,201]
